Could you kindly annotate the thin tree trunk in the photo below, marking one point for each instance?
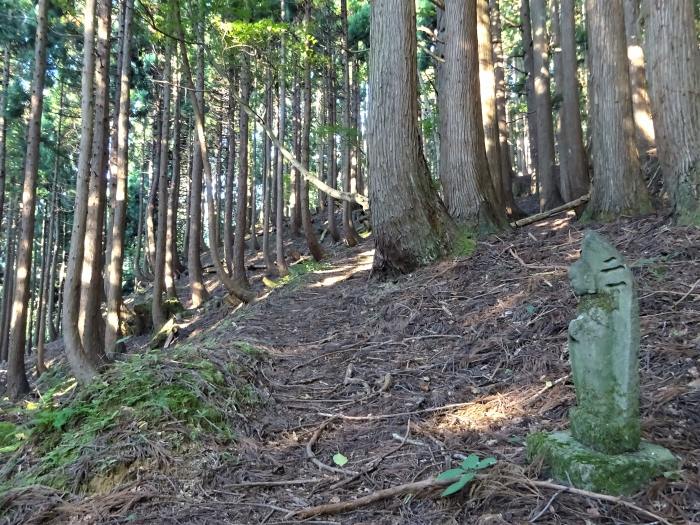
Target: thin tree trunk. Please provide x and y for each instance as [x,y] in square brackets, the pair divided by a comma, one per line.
[194,263]
[43,292]
[239,273]
[575,181]
[230,285]
[279,237]
[674,71]
[526,32]
[359,178]
[506,168]
[230,175]
[254,246]
[546,174]
[3,126]
[310,234]
[295,186]
[84,362]
[487,84]
[153,191]
[9,281]
[268,179]
[90,321]
[157,309]
[17,384]
[641,104]
[332,160]
[349,233]
[172,261]
[411,227]
[618,186]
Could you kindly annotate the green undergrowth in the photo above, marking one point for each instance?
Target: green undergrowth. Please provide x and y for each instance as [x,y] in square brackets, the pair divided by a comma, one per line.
[464,243]
[297,272]
[143,409]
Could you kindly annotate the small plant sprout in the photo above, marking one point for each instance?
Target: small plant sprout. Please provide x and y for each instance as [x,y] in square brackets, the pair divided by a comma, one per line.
[340,460]
[464,473]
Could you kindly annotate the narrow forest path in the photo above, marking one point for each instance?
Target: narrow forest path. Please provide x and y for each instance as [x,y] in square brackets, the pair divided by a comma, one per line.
[372,369]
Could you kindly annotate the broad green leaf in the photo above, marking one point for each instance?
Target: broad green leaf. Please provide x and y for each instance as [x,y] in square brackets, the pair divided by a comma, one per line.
[486,462]
[470,462]
[339,459]
[458,485]
[452,473]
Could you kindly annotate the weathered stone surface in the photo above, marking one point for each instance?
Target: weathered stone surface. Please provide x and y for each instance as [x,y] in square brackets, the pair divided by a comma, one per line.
[604,350]
[585,468]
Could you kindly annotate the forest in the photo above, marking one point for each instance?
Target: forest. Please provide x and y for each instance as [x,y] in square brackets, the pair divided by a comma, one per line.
[350,261]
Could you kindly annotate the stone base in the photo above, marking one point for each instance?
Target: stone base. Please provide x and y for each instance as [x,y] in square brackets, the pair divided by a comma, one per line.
[575,464]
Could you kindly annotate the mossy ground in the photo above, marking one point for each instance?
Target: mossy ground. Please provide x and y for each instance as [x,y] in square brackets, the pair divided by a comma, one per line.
[623,474]
[139,409]
[296,272]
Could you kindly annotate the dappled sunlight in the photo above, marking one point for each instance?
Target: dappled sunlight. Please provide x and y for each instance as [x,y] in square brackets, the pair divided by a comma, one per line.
[363,263]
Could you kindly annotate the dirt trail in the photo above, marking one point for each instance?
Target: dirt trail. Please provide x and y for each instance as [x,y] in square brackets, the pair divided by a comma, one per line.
[486,331]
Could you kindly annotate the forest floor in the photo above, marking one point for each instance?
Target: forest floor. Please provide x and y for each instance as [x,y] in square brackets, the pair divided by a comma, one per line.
[403,377]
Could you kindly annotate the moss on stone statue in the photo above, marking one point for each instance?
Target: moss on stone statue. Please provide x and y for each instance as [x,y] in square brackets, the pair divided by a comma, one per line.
[609,436]
[622,474]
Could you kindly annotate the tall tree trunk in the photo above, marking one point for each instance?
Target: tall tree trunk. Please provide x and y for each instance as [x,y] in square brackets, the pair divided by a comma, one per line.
[230,175]
[153,191]
[572,154]
[309,232]
[674,70]
[641,105]
[139,272]
[487,84]
[295,186]
[91,323]
[411,227]
[8,287]
[528,49]
[268,184]
[254,246]
[464,170]
[239,273]
[618,186]
[359,177]
[157,309]
[3,126]
[194,263]
[546,175]
[349,233]
[282,268]
[332,160]
[47,241]
[83,361]
[172,262]
[116,254]
[231,286]
[506,167]
[17,384]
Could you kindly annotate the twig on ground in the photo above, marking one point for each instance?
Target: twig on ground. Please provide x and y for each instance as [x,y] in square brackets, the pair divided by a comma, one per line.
[400,414]
[687,293]
[546,507]
[320,464]
[544,389]
[281,483]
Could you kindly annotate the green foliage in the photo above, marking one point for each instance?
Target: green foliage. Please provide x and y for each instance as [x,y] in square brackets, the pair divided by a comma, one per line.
[465,243]
[176,397]
[340,460]
[11,437]
[296,272]
[464,473]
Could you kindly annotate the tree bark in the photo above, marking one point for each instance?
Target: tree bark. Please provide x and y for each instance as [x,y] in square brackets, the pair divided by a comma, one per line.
[506,168]
[153,191]
[91,323]
[84,362]
[309,232]
[17,384]
[3,126]
[575,181]
[157,309]
[9,280]
[239,272]
[549,191]
[641,104]
[618,186]
[116,254]
[467,185]
[349,233]
[674,70]
[332,159]
[411,227]
[487,85]
[267,179]
[230,175]
[172,261]
[194,263]
[295,186]
[526,32]
[231,286]
[282,268]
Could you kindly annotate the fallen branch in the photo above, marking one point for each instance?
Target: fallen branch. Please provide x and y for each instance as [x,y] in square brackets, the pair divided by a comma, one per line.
[554,211]
[320,464]
[400,414]
[399,490]
[281,483]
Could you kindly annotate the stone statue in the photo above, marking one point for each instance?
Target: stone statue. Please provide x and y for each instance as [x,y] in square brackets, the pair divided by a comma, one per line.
[604,451]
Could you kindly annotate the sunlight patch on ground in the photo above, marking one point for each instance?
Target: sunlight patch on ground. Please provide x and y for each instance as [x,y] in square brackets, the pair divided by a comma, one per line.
[362,263]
